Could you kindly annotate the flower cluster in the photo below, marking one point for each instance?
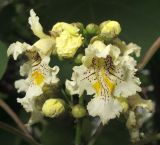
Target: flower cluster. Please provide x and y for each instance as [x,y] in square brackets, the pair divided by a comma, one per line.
[106,72]
[40,78]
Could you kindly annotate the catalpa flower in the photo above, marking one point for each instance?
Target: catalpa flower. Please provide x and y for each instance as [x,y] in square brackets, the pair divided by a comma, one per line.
[105,75]
[39,75]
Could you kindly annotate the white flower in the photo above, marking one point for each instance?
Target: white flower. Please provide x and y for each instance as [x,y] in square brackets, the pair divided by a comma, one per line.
[104,75]
[39,76]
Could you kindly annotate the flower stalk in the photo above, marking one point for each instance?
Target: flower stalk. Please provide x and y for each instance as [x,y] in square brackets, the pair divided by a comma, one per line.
[78,132]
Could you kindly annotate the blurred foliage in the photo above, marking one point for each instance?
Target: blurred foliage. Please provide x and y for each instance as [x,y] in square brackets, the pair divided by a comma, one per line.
[140,24]
[4,59]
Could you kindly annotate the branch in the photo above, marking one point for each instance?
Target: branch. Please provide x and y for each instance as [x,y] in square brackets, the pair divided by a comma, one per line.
[148,55]
[14,117]
[15,131]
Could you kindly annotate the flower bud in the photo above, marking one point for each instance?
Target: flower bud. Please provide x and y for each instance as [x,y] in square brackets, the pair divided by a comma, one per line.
[78,111]
[68,39]
[53,107]
[110,28]
[92,29]
[78,59]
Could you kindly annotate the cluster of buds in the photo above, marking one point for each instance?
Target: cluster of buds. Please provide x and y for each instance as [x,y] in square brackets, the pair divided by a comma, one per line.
[106,71]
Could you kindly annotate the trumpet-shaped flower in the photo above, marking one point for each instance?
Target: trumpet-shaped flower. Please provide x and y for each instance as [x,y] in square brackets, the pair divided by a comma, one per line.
[104,74]
[39,75]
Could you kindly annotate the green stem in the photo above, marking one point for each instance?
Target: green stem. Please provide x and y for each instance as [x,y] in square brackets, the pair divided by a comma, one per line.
[78,133]
[66,97]
[79,125]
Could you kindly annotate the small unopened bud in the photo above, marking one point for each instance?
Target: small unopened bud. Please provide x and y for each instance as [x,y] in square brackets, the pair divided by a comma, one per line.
[78,59]
[53,107]
[92,29]
[78,111]
[110,28]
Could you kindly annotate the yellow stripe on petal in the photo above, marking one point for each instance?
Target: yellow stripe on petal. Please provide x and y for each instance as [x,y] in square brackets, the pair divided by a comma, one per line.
[37,77]
[97,86]
[108,82]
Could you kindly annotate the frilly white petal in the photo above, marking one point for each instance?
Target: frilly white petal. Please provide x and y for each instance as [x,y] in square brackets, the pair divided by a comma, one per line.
[99,49]
[35,25]
[105,108]
[51,73]
[17,48]
[127,87]
[78,84]
[72,86]
[131,47]
[34,91]
[28,101]
[21,85]
[85,84]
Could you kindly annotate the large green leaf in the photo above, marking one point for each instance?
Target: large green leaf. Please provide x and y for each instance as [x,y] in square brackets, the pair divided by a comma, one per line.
[3,58]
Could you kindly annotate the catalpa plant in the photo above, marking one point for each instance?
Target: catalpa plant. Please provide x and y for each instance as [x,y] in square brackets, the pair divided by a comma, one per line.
[103,79]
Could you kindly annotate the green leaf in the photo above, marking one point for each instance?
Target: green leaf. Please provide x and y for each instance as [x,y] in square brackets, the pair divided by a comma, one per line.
[3,58]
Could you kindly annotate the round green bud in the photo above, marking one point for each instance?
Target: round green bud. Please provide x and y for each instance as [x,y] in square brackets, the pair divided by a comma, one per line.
[92,29]
[53,107]
[78,111]
[110,28]
[78,59]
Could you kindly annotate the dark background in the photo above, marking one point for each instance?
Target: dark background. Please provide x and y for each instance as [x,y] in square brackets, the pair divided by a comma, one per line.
[140,22]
